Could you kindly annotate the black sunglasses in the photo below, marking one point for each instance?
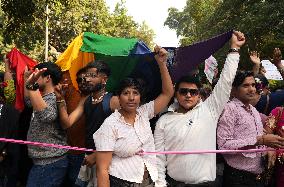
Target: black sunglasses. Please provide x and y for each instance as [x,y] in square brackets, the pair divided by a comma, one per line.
[185,91]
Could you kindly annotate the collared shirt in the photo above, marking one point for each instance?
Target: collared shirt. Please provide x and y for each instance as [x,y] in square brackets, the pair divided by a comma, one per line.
[238,127]
[126,141]
[194,130]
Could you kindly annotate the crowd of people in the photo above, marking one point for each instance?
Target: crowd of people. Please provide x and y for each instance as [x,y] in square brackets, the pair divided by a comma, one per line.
[240,113]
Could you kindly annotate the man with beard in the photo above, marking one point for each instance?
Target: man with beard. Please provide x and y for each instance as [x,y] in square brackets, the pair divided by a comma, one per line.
[96,104]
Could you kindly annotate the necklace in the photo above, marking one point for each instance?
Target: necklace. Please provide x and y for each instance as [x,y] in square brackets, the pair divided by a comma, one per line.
[98,99]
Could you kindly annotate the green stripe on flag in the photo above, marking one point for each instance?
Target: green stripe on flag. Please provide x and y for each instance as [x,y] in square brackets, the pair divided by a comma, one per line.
[100,44]
[121,67]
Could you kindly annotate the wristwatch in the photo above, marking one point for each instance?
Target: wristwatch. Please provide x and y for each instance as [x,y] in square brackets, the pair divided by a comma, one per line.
[33,86]
[234,50]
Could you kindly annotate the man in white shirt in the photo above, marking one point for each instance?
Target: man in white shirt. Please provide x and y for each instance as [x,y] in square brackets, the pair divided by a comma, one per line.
[191,125]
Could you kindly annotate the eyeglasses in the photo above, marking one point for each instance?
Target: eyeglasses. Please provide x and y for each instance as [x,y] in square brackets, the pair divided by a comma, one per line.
[86,75]
[185,91]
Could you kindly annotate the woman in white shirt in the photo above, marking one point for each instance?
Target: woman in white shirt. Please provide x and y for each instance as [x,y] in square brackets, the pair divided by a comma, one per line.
[127,132]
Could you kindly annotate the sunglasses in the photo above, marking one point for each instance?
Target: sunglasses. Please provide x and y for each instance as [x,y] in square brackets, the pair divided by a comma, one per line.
[185,91]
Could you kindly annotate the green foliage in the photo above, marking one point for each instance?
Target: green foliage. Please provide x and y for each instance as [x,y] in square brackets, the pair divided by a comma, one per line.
[260,20]
[187,22]
[24,21]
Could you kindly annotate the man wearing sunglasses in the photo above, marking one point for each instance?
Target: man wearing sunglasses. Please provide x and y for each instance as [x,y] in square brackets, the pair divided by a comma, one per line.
[191,125]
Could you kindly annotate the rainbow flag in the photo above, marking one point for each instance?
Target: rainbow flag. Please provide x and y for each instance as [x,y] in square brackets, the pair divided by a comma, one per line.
[131,57]
[126,57]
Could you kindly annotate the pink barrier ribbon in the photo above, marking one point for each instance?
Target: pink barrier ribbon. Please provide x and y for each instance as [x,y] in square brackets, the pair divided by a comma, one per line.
[140,153]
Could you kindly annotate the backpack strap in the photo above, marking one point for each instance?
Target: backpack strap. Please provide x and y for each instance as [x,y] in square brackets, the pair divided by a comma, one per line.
[106,103]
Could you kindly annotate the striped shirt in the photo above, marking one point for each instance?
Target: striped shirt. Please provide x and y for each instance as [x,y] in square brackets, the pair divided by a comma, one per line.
[238,127]
[126,141]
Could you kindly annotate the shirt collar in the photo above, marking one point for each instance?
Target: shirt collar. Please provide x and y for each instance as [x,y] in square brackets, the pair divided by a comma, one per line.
[121,118]
[173,107]
[241,104]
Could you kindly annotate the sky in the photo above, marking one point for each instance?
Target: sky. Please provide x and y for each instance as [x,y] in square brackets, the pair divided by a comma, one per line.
[154,13]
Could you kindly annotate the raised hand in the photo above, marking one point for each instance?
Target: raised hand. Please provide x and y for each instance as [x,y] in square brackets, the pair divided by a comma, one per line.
[276,57]
[27,73]
[34,76]
[161,54]
[238,39]
[60,89]
[255,57]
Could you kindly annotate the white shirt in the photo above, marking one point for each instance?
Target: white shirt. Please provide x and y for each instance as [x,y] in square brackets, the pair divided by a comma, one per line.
[194,130]
[126,141]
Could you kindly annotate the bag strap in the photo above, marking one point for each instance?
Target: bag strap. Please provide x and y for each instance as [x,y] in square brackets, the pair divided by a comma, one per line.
[106,103]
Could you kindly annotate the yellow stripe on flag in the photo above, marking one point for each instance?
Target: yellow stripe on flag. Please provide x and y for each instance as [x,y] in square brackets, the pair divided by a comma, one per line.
[73,59]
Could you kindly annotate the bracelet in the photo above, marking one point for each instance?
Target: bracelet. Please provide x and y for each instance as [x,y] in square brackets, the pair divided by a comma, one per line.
[33,86]
[234,50]
[60,101]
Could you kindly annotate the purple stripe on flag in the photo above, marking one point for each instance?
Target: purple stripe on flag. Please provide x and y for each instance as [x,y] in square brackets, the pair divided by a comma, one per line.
[189,57]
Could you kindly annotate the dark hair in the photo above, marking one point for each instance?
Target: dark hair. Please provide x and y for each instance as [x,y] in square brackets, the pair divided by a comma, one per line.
[188,79]
[81,71]
[100,65]
[131,82]
[263,79]
[241,76]
[52,69]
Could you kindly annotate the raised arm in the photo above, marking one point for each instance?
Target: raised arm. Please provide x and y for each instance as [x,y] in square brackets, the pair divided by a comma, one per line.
[34,95]
[167,86]
[221,92]
[277,56]
[255,59]
[65,119]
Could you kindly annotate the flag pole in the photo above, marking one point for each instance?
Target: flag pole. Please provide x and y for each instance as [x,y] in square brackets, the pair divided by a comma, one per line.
[46,34]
